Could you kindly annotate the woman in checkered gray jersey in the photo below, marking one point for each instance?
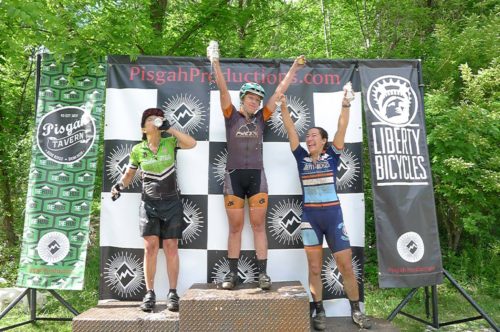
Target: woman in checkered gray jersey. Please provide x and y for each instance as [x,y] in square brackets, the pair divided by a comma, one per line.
[244,176]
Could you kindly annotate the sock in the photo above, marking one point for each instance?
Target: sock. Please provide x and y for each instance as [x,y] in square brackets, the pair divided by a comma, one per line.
[319,306]
[354,305]
[172,290]
[233,265]
[312,307]
[262,264]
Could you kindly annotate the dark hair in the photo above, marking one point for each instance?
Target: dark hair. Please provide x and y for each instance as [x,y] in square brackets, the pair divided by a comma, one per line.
[323,134]
[147,113]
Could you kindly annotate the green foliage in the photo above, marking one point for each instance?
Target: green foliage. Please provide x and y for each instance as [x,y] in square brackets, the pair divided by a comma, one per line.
[463,141]
[9,259]
[469,40]
[457,41]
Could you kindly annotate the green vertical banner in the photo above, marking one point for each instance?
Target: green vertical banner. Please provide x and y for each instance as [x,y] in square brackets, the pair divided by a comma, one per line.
[62,174]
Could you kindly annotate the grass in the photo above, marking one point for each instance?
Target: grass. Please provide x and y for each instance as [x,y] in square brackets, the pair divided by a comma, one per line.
[379,303]
[80,300]
[451,306]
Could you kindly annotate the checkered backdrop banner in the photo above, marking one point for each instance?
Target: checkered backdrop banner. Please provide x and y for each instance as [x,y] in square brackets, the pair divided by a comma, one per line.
[183,88]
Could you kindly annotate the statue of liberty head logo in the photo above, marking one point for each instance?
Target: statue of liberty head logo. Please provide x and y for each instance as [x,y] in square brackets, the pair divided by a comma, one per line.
[392,100]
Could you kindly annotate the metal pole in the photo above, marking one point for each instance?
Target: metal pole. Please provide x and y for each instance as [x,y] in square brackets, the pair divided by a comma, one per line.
[63,301]
[402,304]
[435,313]
[13,303]
[427,311]
[471,301]
[32,302]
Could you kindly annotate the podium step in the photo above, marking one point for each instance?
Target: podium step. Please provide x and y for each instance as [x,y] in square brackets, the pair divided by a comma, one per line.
[126,317]
[204,307]
[285,307]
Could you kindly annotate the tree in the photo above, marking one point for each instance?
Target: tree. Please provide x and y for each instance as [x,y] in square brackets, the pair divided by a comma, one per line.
[463,140]
[444,34]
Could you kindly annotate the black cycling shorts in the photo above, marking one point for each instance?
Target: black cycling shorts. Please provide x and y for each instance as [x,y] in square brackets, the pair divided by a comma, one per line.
[245,182]
[162,218]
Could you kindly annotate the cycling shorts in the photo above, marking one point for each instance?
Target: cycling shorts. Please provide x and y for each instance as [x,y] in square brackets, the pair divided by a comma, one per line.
[324,221]
[162,218]
[245,182]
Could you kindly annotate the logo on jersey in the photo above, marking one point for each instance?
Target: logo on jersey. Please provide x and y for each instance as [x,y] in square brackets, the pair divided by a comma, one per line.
[53,247]
[248,130]
[349,169]
[247,270]
[410,247]
[332,279]
[117,162]
[66,135]
[123,274]
[299,113]
[285,221]
[192,221]
[392,100]
[184,112]
[323,163]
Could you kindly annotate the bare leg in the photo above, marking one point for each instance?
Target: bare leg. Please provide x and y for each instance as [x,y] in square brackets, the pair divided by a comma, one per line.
[258,208]
[343,259]
[170,248]
[235,217]
[315,261]
[258,222]
[151,245]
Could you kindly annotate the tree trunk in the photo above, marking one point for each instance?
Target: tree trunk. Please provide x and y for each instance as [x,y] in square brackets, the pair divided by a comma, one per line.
[158,9]
[8,209]
[7,215]
[242,32]
[456,239]
[363,24]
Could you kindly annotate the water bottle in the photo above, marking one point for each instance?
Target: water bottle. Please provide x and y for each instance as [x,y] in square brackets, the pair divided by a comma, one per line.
[213,50]
[349,92]
[158,122]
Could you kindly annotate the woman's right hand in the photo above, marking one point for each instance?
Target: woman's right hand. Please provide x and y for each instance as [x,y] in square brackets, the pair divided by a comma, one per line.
[116,189]
[300,61]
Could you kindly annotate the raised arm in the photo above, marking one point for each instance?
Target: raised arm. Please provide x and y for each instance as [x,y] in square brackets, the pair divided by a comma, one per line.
[283,86]
[293,137]
[184,141]
[338,139]
[225,98]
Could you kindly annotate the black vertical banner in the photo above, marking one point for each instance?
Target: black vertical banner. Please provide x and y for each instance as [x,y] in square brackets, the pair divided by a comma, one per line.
[408,248]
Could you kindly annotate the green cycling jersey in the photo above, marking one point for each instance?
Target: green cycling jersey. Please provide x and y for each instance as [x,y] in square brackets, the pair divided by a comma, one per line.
[158,170]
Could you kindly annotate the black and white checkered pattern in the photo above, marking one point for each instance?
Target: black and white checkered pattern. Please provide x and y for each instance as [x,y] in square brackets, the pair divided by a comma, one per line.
[195,108]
